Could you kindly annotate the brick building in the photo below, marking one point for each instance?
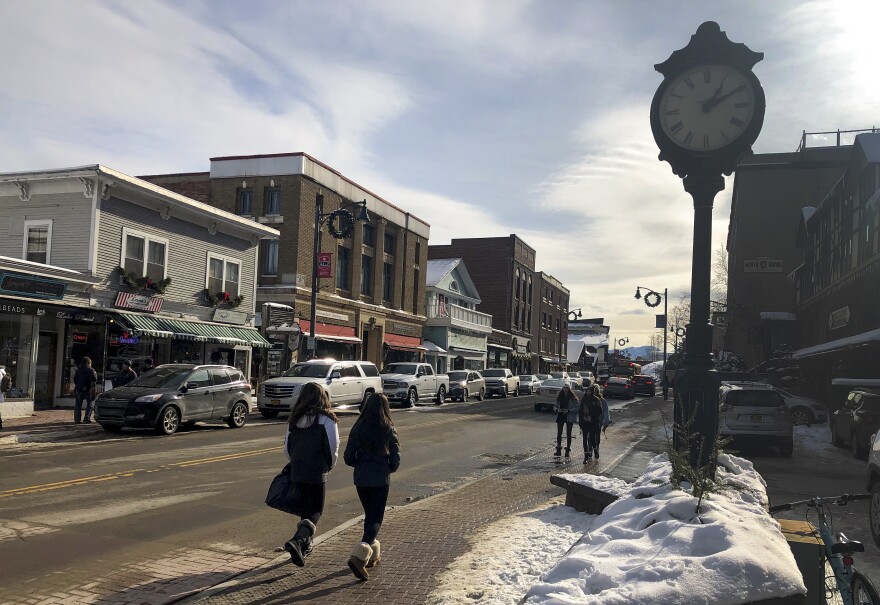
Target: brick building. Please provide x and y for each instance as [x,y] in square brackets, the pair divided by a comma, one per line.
[769,192]
[503,269]
[373,307]
[549,323]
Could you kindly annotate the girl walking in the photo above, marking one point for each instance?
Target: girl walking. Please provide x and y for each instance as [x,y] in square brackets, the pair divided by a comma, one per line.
[374,451]
[593,417]
[312,446]
[566,409]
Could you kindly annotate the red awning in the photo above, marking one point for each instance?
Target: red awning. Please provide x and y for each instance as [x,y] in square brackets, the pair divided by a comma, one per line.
[404,343]
[329,331]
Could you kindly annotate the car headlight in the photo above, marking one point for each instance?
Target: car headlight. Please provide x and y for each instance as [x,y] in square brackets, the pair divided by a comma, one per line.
[402,385]
[148,398]
[463,383]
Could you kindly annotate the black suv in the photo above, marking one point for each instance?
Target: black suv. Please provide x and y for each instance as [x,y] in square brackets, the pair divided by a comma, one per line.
[172,394]
[856,421]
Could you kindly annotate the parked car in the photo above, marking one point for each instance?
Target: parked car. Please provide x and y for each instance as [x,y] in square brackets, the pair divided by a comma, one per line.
[618,386]
[874,487]
[464,383]
[644,385]
[172,394]
[528,384]
[409,383]
[565,376]
[856,421]
[501,382]
[550,388]
[804,410]
[543,377]
[751,410]
[346,382]
[587,377]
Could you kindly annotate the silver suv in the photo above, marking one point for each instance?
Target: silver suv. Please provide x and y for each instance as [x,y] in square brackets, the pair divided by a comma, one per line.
[749,410]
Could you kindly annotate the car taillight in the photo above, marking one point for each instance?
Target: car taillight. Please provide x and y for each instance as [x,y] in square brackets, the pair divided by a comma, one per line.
[247,387]
[649,381]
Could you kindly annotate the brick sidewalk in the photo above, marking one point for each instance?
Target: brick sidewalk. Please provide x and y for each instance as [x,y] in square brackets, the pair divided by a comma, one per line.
[419,541]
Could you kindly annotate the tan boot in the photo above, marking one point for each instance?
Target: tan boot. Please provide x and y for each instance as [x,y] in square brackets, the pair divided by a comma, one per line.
[377,548]
[358,560]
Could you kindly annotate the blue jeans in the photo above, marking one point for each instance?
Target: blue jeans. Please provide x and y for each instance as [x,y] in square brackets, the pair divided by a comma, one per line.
[77,407]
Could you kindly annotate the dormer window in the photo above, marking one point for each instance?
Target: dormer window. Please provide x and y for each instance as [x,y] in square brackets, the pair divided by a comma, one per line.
[453,285]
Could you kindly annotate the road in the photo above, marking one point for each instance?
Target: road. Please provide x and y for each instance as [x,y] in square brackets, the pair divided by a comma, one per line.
[77,515]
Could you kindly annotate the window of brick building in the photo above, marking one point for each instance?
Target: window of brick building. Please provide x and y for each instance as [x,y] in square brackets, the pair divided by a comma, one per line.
[270,257]
[416,280]
[390,241]
[272,204]
[244,202]
[370,236]
[387,282]
[343,268]
[366,275]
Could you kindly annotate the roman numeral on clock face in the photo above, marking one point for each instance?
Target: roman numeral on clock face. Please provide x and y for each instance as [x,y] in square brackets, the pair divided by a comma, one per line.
[676,127]
[707,76]
[689,82]
[672,112]
[737,122]
[690,137]
[705,140]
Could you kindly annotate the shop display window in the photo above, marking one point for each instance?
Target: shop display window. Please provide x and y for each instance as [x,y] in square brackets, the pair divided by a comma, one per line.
[16,354]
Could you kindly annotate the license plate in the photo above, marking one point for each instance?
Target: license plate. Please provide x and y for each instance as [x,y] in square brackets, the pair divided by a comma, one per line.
[755,417]
[274,402]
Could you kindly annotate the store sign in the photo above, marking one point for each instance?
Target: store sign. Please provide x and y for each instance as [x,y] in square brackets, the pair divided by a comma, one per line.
[124,340]
[331,315]
[129,300]
[763,264]
[396,328]
[325,264]
[37,287]
[838,319]
[230,317]
[27,309]
[80,338]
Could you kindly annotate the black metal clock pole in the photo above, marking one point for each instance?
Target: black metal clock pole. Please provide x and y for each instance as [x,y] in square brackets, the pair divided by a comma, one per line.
[313,312]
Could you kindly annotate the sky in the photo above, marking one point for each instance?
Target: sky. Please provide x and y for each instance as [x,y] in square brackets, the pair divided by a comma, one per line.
[482,118]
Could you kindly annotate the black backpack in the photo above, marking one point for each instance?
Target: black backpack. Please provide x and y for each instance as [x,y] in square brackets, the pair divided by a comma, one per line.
[5,383]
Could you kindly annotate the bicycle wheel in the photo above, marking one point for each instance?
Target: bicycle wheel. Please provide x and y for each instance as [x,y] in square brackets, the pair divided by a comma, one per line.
[863,591]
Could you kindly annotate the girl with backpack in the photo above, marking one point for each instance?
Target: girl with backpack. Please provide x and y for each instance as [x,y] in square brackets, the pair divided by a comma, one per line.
[566,409]
[312,446]
[374,451]
[593,417]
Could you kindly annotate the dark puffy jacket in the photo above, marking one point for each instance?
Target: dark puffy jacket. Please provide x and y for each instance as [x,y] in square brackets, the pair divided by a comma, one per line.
[310,457]
[85,378]
[372,468]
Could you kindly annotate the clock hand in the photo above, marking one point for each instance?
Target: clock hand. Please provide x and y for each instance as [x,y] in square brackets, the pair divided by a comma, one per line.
[710,104]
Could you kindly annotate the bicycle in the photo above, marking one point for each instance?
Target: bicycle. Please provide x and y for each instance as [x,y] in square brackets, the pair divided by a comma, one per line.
[854,587]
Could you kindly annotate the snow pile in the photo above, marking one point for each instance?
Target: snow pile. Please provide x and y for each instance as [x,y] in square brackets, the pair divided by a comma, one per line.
[653,369]
[509,556]
[654,547]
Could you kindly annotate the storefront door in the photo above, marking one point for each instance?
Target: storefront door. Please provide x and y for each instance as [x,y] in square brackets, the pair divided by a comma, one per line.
[44,385]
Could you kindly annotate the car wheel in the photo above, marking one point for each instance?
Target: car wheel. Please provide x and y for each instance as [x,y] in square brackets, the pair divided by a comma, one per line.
[538,407]
[111,428]
[465,396]
[855,447]
[269,413]
[801,416]
[441,395]
[786,448]
[169,421]
[504,393]
[481,395]
[835,440]
[516,390]
[238,415]
[411,397]
[874,512]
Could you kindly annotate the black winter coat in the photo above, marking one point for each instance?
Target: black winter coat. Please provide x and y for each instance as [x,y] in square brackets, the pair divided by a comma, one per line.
[310,457]
[372,468]
[85,378]
[124,377]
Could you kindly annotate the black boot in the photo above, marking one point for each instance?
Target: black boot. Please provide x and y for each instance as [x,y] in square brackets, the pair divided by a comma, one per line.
[568,452]
[300,545]
[558,451]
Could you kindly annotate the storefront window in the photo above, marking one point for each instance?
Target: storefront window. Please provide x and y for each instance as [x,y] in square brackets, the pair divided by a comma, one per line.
[16,336]
[83,339]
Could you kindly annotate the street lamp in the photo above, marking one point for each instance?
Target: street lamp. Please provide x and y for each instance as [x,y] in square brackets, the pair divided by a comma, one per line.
[652,299]
[340,229]
[574,314]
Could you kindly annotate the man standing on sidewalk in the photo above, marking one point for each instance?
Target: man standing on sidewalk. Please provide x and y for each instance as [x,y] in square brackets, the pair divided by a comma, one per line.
[84,382]
[5,384]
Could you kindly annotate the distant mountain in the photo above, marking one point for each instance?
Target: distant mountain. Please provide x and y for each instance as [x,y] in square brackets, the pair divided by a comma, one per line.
[644,352]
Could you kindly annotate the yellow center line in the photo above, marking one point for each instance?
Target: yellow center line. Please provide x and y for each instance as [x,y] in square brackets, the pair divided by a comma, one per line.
[31,489]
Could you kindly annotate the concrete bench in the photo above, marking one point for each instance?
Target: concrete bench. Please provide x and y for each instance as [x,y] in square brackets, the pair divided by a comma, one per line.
[582,497]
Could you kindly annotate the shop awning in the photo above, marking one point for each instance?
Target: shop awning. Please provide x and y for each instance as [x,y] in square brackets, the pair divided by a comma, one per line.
[502,347]
[329,332]
[430,347]
[467,353]
[404,343]
[850,342]
[166,327]
[547,359]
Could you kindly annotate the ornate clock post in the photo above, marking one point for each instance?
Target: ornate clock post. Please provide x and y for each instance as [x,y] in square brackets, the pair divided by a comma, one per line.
[705,116]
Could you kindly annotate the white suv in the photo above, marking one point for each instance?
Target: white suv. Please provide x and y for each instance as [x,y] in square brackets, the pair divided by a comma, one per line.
[874,486]
[347,382]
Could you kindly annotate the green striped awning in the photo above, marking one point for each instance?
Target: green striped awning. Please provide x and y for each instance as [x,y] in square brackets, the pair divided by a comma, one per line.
[162,327]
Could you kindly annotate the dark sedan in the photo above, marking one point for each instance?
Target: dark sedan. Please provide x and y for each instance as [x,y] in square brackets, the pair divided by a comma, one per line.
[169,395]
[856,421]
[644,385]
[619,387]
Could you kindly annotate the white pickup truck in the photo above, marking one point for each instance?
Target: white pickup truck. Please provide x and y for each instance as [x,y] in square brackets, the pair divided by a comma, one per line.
[410,382]
[501,381]
[347,382]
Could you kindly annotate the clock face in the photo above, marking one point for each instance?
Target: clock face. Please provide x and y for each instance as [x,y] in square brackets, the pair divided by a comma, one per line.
[706,108]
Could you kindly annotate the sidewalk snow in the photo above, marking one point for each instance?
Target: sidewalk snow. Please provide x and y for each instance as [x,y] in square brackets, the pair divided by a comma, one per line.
[509,556]
[650,546]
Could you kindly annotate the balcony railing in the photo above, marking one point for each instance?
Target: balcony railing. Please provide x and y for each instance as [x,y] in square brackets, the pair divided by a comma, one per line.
[459,315]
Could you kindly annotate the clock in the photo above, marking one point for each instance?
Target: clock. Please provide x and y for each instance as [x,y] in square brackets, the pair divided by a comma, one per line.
[707,107]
